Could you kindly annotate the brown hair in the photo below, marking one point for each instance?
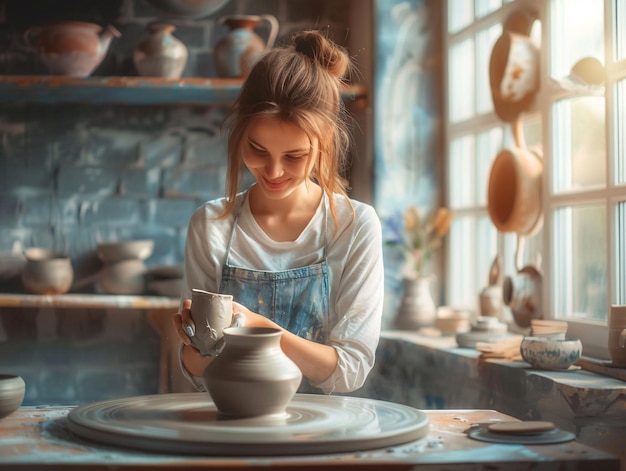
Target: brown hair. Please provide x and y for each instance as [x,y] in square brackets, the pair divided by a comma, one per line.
[299,83]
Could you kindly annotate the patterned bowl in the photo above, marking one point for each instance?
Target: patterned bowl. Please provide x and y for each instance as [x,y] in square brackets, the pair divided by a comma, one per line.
[549,353]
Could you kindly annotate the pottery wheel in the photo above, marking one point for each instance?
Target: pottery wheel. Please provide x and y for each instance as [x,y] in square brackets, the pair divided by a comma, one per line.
[189,423]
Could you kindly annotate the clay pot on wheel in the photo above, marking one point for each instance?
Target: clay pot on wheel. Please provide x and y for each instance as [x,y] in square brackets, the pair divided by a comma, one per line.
[72,48]
[252,376]
[47,272]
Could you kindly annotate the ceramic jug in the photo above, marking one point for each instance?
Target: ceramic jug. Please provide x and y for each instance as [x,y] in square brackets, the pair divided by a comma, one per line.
[522,294]
[161,54]
[72,48]
[252,376]
[237,52]
[47,272]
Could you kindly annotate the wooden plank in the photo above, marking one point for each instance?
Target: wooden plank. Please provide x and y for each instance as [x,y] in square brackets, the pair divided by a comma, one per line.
[49,90]
[601,367]
[89,301]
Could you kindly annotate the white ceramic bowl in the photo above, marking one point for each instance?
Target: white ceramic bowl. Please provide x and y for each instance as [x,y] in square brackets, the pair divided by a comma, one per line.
[450,320]
[550,354]
[12,389]
[113,252]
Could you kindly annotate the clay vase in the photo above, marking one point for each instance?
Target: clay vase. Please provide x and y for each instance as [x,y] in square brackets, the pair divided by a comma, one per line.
[417,307]
[237,52]
[47,272]
[252,376]
[490,297]
[161,54]
[72,48]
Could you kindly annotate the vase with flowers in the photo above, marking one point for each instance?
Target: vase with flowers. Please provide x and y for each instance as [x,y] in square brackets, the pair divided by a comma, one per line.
[418,238]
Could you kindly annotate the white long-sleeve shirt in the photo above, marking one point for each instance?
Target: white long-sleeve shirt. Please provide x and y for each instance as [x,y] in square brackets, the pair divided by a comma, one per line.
[355,263]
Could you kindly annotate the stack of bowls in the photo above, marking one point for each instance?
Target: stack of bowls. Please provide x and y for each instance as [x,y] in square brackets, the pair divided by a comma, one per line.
[124,269]
[548,328]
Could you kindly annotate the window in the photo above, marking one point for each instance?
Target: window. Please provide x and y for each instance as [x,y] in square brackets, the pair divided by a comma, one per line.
[577,120]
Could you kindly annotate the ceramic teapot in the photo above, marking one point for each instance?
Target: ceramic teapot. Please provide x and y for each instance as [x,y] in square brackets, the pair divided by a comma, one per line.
[237,52]
[72,48]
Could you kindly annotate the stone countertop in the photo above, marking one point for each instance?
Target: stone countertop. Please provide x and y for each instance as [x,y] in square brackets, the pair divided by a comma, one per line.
[37,438]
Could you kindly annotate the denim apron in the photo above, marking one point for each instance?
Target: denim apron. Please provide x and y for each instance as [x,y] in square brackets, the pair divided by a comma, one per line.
[296,299]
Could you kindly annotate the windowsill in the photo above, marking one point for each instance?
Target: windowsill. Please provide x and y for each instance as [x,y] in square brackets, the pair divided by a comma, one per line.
[434,373]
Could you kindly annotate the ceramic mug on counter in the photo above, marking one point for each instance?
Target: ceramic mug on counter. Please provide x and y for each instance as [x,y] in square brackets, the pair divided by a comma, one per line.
[617,335]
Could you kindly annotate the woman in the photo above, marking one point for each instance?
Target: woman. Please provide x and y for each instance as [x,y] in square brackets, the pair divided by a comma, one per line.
[294,251]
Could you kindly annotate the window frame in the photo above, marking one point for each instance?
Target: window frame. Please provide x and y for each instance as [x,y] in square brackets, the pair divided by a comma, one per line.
[593,333]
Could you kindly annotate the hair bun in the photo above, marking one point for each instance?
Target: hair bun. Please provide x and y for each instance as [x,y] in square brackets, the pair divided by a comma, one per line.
[323,51]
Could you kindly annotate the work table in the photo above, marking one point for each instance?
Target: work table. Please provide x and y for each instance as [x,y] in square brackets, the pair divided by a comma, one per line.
[38,438]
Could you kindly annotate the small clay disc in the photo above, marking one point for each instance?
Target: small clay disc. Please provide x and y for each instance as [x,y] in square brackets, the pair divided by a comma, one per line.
[521,428]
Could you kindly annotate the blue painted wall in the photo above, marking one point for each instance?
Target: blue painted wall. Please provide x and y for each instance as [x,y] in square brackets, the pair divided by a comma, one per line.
[407,121]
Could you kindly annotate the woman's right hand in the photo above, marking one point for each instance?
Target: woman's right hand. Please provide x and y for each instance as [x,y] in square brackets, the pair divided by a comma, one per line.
[183,323]
[185,328]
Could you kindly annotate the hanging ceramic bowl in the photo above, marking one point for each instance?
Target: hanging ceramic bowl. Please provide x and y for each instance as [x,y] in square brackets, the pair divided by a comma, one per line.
[514,69]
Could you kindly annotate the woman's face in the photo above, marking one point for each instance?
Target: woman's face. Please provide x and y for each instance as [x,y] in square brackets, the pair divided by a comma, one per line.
[278,156]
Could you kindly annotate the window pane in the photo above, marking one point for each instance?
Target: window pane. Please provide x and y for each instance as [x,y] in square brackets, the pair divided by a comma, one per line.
[488,145]
[578,31]
[620,295]
[579,267]
[579,156]
[462,262]
[460,14]
[461,172]
[484,43]
[461,81]
[486,251]
[620,30]
[620,132]
[484,7]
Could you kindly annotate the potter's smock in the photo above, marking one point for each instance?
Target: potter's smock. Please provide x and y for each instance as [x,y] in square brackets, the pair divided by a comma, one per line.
[354,257]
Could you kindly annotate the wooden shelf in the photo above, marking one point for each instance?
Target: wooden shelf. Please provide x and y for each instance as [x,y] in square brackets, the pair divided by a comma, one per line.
[90,301]
[51,90]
